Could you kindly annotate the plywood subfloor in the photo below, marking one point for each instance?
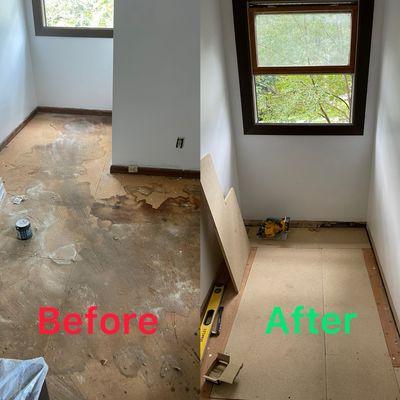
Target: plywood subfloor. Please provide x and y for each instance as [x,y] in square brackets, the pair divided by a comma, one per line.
[228,222]
[305,366]
[125,243]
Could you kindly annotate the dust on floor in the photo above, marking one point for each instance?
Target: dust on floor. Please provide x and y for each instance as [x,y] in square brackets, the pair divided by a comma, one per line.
[124,243]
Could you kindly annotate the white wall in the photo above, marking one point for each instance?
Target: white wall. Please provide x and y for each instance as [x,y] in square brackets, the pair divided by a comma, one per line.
[217,135]
[311,178]
[156,83]
[72,72]
[216,122]
[384,201]
[17,89]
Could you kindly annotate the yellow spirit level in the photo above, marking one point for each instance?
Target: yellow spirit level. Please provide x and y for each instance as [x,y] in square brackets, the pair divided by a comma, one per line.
[209,316]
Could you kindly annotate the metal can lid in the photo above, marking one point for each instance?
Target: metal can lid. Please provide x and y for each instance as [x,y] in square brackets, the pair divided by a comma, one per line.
[23,223]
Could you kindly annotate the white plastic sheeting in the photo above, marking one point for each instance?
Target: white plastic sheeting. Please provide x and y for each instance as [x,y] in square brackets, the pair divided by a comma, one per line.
[2,190]
[22,380]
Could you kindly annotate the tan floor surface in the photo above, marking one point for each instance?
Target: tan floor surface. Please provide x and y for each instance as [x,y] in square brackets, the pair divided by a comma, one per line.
[126,243]
[228,222]
[305,366]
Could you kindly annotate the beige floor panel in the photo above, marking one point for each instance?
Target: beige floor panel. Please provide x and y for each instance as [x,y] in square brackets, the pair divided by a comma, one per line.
[358,365]
[228,222]
[312,367]
[277,366]
[237,244]
[397,372]
[324,238]
[346,281]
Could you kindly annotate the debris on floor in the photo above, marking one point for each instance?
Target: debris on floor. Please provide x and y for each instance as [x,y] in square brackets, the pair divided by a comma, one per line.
[94,232]
[22,379]
[24,230]
[274,229]
[17,200]
[64,255]
[222,370]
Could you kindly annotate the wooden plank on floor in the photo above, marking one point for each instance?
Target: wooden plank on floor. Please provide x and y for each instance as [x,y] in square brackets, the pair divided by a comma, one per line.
[230,302]
[385,313]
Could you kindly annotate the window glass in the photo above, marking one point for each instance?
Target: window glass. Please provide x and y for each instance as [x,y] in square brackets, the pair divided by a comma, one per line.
[303,39]
[292,99]
[79,13]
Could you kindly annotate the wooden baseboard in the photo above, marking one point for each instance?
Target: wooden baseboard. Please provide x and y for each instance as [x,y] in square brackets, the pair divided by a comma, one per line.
[177,173]
[18,129]
[74,111]
[53,110]
[313,224]
[386,315]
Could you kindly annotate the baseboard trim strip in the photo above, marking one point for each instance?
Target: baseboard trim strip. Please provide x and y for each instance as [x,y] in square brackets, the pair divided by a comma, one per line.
[313,224]
[18,129]
[74,111]
[177,173]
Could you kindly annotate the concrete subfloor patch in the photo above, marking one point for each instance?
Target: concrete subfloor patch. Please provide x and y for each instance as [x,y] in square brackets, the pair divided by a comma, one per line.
[125,243]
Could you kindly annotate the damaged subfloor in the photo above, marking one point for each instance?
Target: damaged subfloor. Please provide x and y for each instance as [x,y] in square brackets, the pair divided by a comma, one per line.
[124,243]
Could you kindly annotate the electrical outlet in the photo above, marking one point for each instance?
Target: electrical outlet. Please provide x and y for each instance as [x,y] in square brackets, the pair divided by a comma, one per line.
[180,142]
[132,169]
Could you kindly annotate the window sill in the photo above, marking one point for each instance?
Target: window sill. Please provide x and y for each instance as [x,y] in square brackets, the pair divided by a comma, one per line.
[305,129]
[75,32]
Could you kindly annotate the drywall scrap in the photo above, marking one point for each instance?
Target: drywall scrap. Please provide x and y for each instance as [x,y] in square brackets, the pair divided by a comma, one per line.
[228,222]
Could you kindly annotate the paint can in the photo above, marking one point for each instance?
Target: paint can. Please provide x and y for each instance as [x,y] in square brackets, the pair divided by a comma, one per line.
[24,230]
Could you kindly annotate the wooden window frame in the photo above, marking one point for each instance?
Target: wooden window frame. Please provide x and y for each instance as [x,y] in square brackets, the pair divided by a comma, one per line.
[362,19]
[41,29]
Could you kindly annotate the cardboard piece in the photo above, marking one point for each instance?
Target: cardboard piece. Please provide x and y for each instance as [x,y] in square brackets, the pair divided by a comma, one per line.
[222,370]
[228,222]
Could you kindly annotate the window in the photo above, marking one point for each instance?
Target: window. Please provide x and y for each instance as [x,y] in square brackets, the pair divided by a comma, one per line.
[303,68]
[79,18]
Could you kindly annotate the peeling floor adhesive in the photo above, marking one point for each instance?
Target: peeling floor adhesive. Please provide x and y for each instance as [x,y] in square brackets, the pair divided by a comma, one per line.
[64,255]
[131,360]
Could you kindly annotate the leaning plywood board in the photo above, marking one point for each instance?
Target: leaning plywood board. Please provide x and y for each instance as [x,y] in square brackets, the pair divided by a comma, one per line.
[236,240]
[306,366]
[228,222]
